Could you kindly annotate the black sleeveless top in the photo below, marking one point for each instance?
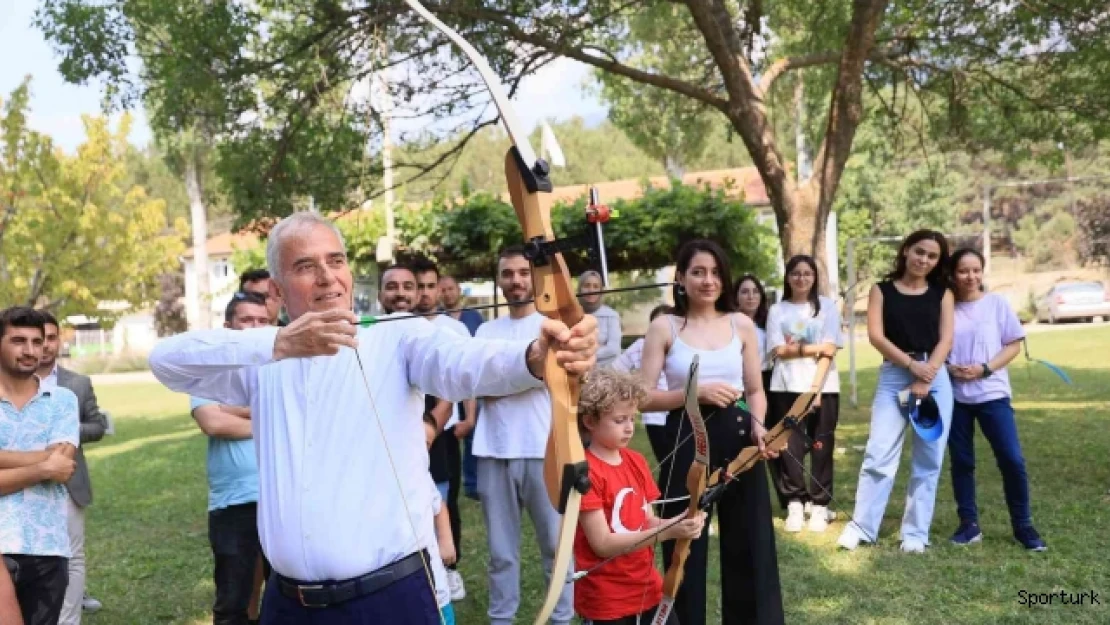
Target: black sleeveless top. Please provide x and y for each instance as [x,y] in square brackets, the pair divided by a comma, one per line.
[912,322]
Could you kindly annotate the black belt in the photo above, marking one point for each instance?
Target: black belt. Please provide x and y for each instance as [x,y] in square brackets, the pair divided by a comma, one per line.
[916,356]
[324,594]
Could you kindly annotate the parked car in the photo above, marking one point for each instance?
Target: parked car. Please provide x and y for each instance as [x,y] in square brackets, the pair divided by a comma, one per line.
[1074,300]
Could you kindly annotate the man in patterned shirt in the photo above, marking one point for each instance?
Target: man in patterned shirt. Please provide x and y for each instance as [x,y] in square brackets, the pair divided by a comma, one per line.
[35,425]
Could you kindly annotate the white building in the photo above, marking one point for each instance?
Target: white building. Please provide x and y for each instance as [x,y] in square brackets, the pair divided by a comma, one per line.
[222,279]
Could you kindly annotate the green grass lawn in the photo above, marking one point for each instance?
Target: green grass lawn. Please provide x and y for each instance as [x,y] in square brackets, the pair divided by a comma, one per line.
[149,560]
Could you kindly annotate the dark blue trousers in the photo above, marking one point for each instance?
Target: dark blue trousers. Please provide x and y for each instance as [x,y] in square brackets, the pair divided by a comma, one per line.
[996,420]
[408,601]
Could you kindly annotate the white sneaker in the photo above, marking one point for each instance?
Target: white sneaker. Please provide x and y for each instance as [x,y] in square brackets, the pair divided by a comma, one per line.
[819,519]
[455,584]
[795,517]
[849,539]
[911,545]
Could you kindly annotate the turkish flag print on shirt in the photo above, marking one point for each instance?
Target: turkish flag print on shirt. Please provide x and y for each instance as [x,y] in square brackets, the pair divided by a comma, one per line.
[629,584]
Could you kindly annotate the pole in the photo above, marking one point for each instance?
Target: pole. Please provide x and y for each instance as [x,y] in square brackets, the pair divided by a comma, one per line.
[595,199]
[850,252]
[986,230]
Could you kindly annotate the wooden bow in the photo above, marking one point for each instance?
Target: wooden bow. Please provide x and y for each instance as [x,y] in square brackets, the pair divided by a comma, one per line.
[565,470]
[774,440]
[696,480]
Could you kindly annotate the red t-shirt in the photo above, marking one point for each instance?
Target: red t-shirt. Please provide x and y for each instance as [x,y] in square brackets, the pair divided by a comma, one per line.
[629,584]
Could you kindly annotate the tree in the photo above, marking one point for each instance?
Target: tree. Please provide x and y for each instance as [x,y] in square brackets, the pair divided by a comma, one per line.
[73,237]
[987,74]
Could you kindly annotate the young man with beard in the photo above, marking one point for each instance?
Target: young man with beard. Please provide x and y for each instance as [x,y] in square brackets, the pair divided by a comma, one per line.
[94,424]
[510,442]
[343,516]
[36,423]
[445,454]
[233,486]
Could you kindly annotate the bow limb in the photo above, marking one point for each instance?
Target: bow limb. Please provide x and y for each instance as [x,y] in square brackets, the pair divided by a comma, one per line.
[776,439]
[696,480]
[565,471]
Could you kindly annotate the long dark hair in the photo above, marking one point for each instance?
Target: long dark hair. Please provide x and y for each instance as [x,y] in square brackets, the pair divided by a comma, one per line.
[760,316]
[939,275]
[726,303]
[954,262]
[814,296]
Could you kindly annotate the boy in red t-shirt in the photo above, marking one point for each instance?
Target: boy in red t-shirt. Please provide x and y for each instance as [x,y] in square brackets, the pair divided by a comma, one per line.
[617,520]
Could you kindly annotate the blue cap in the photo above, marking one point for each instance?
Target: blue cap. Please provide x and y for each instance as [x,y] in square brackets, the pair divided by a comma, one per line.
[924,415]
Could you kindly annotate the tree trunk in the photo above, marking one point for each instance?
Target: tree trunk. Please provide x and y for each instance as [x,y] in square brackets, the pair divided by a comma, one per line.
[199,218]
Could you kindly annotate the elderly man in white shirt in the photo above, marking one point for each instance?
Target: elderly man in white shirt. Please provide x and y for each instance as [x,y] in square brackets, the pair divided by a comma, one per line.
[344,505]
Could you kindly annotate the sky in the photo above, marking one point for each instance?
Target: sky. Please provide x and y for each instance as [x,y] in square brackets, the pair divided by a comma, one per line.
[554,92]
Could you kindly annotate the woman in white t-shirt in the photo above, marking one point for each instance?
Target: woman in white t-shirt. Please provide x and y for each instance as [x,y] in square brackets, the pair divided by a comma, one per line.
[802,327]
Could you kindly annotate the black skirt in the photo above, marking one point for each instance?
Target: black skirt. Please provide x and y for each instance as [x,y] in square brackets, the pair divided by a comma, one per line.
[750,587]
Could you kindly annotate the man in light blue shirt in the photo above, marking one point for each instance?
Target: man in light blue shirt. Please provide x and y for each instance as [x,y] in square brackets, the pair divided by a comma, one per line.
[36,424]
[233,484]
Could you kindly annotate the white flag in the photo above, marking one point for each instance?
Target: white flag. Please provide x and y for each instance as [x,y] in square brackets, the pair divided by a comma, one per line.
[550,146]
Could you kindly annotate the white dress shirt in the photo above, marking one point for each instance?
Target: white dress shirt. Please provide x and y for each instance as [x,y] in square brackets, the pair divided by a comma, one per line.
[450,323]
[513,427]
[334,501]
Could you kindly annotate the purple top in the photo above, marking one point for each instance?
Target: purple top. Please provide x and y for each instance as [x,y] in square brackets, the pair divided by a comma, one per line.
[983,327]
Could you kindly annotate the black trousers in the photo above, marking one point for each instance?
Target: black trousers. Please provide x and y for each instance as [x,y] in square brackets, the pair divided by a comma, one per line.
[40,586]
[454,484]
[790,479]
[233,535]
[750,588]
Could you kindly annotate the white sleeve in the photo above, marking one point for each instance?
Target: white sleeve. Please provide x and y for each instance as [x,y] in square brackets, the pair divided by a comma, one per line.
[630,358]
[774,328]
[832,322]
[213,363]
[453,368]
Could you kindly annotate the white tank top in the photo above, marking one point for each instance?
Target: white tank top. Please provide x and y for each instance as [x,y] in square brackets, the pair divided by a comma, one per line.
[715,365]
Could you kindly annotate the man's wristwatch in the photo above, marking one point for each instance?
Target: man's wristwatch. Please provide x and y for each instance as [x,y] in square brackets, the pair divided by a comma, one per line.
[987,370]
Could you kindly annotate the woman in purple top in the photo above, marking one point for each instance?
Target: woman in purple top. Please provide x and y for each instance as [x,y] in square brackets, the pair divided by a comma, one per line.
[987,337]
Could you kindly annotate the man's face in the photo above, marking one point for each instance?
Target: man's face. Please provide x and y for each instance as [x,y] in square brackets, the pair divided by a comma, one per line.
[427,291]
[315,275]
[398,292]
[514,276]
[50,347]
[248,315]
[449,292]
[263,289]
[21,351]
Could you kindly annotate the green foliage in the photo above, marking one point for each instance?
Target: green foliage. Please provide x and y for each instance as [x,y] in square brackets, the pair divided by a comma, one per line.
[1093,228]
[75,234]
[465,235]
[1046,242]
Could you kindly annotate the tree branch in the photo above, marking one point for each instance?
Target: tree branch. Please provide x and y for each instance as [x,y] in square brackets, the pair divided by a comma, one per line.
[846,111]
[605,64]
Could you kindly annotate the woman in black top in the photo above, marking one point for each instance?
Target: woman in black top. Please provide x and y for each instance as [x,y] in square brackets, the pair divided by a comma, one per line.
[910,322]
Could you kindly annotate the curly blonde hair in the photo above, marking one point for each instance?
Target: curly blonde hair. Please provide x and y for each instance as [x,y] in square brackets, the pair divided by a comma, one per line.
[604,388]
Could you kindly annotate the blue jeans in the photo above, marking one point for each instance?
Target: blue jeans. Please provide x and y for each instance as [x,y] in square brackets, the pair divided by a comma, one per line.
[884,452]
[996,419]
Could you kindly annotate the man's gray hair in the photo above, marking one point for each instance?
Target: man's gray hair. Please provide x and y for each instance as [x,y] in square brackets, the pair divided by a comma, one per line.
[294,222]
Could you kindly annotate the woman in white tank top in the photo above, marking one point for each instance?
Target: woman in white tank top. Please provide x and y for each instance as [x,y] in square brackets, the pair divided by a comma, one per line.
[706,323]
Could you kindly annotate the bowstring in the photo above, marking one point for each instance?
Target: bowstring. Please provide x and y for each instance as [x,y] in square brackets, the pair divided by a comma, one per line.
[404,500]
